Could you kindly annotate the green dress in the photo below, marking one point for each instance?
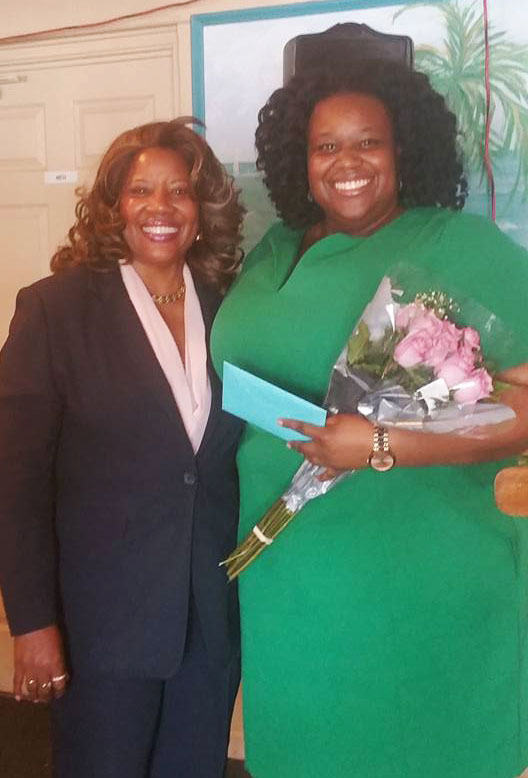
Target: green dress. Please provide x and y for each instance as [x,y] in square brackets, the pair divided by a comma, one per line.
[384,632]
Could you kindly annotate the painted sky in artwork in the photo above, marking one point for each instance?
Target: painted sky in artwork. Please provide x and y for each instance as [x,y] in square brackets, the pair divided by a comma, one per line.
[243,65]
[240,76]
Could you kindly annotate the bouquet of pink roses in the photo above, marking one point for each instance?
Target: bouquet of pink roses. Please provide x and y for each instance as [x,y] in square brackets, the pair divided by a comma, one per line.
[452,353]
[410,364]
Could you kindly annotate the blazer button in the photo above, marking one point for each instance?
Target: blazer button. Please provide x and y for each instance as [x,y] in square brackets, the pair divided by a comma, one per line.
[189,479]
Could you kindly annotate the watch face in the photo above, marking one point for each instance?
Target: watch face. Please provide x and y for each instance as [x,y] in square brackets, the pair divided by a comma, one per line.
[381,461]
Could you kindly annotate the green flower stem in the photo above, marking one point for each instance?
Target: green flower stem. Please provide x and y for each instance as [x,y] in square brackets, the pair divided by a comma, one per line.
[271,524]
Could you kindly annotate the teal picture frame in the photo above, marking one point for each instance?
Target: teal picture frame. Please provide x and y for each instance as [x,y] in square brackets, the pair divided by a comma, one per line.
[200,21]
[226,95]
[231,131]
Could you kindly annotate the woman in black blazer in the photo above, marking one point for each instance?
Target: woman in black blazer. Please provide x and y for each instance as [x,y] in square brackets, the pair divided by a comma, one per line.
[118,489]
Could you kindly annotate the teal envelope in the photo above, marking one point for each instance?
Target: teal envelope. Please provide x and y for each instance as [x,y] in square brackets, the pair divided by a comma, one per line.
[261,403]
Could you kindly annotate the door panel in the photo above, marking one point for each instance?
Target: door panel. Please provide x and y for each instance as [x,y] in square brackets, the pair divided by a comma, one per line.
[24,231]
[73,97]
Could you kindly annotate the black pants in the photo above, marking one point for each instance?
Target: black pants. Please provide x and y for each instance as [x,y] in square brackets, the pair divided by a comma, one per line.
[106,727]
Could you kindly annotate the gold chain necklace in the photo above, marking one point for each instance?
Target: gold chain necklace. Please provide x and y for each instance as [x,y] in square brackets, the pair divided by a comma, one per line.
[164,299]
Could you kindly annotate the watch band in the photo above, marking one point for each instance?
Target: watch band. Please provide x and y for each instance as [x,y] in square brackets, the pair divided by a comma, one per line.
[381,457]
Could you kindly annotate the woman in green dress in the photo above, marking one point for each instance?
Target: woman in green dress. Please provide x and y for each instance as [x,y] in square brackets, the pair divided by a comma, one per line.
[384,633]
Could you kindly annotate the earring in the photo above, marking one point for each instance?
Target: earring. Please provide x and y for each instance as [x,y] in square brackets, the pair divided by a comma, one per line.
[309,197]
[198,237]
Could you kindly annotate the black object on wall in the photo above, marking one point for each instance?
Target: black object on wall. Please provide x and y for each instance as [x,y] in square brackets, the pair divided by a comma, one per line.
[344,43]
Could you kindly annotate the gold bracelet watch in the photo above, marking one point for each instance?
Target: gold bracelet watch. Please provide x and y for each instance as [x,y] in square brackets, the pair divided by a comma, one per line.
[381,457]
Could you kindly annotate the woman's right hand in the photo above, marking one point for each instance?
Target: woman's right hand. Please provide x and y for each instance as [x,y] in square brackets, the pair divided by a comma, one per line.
[40,668]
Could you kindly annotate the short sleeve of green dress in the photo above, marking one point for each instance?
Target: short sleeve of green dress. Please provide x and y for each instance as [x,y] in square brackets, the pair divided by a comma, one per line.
[384,632]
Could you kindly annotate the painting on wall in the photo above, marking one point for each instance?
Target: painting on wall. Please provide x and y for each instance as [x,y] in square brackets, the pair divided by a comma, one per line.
[237,64]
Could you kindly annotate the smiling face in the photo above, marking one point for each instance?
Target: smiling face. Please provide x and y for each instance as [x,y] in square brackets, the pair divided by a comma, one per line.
[352,164]
[158,208]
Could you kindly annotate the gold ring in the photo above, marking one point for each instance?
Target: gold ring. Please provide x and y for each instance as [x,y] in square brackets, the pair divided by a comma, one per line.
[59,678]
[45,686]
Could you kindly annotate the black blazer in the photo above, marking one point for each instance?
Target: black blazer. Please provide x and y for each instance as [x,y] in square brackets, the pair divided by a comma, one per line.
[108,521]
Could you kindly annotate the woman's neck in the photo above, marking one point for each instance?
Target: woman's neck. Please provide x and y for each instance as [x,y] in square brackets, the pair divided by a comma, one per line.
[160,279]
[323,229]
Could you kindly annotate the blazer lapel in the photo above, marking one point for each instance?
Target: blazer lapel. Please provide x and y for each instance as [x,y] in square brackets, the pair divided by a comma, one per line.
[123,324]
[209,302]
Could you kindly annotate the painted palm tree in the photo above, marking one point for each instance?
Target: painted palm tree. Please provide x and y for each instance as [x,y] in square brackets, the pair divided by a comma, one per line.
[457,72]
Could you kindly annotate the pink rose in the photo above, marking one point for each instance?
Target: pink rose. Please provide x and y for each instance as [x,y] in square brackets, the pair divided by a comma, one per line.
[426,321]
[474,387]
[440,349]
[429,341]
[408,315]
[468,356]
[471,338]
[412,350]
[444,345]
[454,370]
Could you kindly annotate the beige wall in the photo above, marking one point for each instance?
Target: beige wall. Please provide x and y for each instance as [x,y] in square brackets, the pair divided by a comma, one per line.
[25,16]
[21,17]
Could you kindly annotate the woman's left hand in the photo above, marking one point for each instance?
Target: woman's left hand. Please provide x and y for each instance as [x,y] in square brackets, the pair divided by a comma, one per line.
[343,444]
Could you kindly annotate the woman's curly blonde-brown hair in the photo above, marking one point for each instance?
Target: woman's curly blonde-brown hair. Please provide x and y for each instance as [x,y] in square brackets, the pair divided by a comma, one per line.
[96,239]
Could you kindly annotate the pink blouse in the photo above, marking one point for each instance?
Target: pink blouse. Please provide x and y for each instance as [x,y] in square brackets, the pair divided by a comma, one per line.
[190,382]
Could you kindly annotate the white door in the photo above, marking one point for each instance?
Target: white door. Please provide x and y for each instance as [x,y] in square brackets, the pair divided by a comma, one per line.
[62,101]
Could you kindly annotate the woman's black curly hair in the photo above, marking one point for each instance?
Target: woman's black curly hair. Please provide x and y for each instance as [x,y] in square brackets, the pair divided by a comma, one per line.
[425,133]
